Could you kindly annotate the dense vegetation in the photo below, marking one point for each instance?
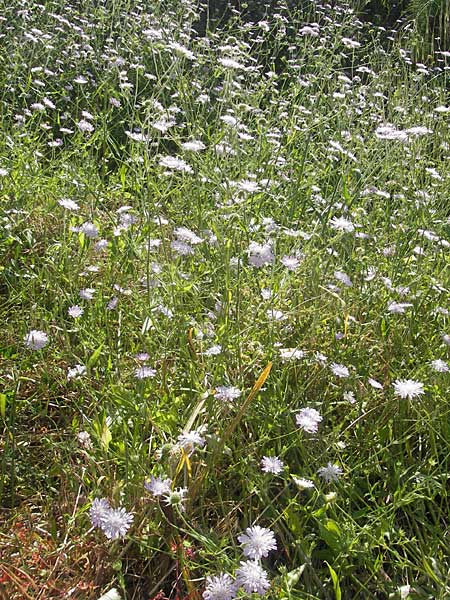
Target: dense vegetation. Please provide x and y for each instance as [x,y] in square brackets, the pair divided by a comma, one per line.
[225,300]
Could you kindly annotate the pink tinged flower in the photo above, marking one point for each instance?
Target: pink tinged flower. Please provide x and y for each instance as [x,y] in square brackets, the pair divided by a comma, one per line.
[252,578]
[257,542]
[260,255]
[220,587]
[84,126]
[157,486]
[75,311]
[291,263]
[308,419]
[36,340]
[408,388]
[271,464]
[330,473]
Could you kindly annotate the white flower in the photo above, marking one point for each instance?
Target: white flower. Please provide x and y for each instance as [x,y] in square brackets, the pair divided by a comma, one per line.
[193,146]
[90,230]
[303,484]
[229,63]
[84,439]
[115,523]
[36,340]
[339,370]
[330,472]
[68,204]
[113,594]
[342,224]
[176,497]
[440,366]
[349,397]
[291,354]
[252,578]
[87,293]
[75,311]
[213,351]
[291,262]
[219,587]
[144,372]
[257,542]
[308,419]
[227,393]
[186,235]
[158,486]
[85,126]
[398,307]
[375,384]
[174,163]
[271,464]
[190,439]
[260,255]
[408,388]
[348,43]
[75,372]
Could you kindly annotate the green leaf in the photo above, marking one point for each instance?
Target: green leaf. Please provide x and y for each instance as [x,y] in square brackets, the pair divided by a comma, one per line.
[3,405]
[95,356]
[335,579]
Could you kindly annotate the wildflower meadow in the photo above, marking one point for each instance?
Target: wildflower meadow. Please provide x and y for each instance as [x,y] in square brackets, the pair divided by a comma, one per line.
[224,288]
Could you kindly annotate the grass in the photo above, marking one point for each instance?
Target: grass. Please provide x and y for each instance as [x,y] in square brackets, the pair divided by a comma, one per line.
[312,272]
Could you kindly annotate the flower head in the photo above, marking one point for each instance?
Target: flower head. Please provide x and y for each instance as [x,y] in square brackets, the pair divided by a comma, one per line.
[227,393]
[36,340]
[408,388]
[330,472]
[219,587]
[115,523]
[257,542]
[252,578]
[158,486]
[98,510]
[303,484]
[308,419]
[271,464]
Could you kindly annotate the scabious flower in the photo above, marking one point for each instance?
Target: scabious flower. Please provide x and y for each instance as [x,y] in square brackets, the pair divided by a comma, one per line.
[175,164]
[252,578]
[287,354]
[308,419]
[260,255]
[36,340]
[157,486]
[144,372]
[271,464]
[408,388]
[330,473]
[176,497]
[190,439]
[98,509]
[75,311]
[219,587]
[303,484]
[257,542]
[227,393]
[342,224]
[75,372]
[84,439]
[375,384]
[68,204]
[339,370]
[116,522]
[440,366]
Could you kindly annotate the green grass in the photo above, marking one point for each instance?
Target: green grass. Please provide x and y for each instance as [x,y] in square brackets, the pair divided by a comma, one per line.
[302,153]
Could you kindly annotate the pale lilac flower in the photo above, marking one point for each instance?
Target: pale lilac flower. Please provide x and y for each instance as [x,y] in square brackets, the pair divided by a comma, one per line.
[181,248]
[75,372]
[75,311]
[440,366]
[408,388]
[252,578]
[339,370]
[90,230]
[98,510]
[257,542]
[68,204]
[158,486]
[115,523]
[271,464]
[87,293]
[112,304]
[227,393]
[144,373]
[186,235]
[291,263]
[213,351]
[342,224]
[36,340]
[308,419]
[330,473]
[219,587]
[190,439]
[343,278]
[260,255]
[398,307]
[84,126]
[193,146]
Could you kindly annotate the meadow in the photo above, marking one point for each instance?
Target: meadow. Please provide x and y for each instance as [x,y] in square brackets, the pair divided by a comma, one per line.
[224,290]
